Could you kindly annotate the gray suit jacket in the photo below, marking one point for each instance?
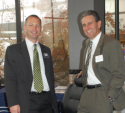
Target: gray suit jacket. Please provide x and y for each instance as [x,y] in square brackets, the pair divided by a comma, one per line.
[18,75]
[111,71]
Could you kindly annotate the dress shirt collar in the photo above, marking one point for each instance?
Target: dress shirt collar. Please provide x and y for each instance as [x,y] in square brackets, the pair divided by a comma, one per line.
[96,39]
[29,43]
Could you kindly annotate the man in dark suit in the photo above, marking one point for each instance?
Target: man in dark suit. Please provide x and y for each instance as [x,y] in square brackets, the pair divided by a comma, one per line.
[103,69]
[26,93]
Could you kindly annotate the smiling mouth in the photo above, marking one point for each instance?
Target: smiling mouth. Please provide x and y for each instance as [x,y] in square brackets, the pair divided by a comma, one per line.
[34,32]
[89,31]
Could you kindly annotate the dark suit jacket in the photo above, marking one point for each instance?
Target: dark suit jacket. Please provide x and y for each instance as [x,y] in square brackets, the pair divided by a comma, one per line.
[18,75]
[111,71]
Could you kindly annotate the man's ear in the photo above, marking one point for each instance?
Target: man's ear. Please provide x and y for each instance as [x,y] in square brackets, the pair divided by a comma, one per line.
[99,24]
[24,27]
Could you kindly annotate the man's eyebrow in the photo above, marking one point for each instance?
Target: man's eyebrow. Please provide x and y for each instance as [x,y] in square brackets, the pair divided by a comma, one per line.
[83,24]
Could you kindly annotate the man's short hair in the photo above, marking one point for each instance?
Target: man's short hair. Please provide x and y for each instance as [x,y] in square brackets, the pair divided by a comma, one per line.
[33,16]
[90,12]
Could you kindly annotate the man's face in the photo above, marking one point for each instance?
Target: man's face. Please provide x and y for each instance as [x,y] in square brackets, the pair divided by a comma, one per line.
[91,28]
[32,28]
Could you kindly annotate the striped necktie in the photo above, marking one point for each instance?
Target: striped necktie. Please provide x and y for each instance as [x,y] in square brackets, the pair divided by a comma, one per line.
[87,60]
[38,82]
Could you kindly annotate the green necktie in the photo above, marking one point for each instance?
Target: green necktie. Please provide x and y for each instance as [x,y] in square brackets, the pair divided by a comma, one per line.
[38,82]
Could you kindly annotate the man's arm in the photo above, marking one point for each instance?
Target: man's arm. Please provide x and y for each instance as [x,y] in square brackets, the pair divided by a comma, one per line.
[117,67]
[10,69]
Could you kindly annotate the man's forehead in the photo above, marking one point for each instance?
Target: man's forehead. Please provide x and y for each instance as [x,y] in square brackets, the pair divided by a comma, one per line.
[87,19]
[32,19]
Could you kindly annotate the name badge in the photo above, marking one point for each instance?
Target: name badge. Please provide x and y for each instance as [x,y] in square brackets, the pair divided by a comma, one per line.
[99,58]
[45,55]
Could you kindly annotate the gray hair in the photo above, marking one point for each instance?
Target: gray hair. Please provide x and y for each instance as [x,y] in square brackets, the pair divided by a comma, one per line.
[90,12]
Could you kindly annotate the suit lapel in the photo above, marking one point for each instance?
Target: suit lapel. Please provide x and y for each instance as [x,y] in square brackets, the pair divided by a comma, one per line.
[25,53]
[44,59]
[43,51]
[84,56]
[99,48]
[85,51]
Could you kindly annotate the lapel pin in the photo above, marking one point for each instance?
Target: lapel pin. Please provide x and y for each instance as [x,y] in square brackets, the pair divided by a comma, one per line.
[46,55]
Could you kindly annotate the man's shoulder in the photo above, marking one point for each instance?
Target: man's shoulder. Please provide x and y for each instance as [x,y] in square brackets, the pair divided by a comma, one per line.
[44,46]
[108,39]
[111,42]
[16,44]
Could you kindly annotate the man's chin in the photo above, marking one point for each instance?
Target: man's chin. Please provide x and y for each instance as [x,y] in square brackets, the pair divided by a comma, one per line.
[34,37]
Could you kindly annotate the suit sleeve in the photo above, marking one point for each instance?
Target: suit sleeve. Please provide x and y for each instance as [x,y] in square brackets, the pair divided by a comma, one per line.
[53,95]
[10,68]
[117,67]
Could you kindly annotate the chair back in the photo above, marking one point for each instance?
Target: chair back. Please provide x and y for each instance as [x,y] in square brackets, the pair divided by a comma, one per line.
[72,96]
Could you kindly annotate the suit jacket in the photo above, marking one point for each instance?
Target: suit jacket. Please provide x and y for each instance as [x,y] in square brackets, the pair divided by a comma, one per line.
[18,75]
[110,71]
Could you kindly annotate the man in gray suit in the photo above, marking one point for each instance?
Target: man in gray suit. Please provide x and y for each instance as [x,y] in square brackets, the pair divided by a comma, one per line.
[103,69]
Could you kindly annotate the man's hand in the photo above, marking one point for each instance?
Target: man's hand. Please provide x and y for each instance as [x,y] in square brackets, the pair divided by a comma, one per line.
[79,74]
[15,109]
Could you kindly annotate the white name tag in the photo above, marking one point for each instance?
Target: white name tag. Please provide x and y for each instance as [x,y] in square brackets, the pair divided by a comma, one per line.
[99,58]
[45,54]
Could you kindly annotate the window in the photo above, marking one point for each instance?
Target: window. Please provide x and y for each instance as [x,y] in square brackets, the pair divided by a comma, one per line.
[7,29]
[54,34]
[110,20]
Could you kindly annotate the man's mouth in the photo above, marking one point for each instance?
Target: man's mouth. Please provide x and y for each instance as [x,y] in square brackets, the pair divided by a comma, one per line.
[34,32]
[89,31]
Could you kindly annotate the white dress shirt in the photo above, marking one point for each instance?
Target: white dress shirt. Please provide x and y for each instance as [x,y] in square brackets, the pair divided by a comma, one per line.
[30,46]
[92,79]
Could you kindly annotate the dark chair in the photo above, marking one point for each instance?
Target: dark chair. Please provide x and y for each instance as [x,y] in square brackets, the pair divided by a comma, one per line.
[72,96]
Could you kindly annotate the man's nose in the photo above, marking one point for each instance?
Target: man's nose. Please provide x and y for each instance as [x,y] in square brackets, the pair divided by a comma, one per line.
[34,27]
[87,26]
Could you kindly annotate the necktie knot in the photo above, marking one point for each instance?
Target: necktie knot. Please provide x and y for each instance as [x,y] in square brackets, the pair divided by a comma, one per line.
[35,46]
[90,44]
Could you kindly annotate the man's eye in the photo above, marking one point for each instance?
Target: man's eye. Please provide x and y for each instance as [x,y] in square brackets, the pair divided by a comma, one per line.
[83,25]
[90,23]
[38,25]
